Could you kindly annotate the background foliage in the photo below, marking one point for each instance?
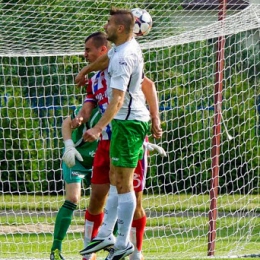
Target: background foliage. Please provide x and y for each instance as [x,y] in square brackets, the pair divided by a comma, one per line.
[38,92]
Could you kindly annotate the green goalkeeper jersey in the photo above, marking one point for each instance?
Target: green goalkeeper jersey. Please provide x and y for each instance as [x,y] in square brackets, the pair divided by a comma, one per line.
[86,149]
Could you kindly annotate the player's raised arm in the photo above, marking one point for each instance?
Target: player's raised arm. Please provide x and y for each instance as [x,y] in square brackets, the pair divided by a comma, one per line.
[100,63]
[150,93]
[70,153]
[66,128]
[113,107]
[83,115]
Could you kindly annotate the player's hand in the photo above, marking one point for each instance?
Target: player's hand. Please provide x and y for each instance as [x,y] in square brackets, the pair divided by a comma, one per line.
[92,134]
[157,148]
[76,122]
[70,154]
[81,79]
[156,128]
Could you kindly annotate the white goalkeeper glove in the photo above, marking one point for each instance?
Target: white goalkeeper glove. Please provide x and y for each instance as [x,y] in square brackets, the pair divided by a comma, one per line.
[70,153]
[152,147]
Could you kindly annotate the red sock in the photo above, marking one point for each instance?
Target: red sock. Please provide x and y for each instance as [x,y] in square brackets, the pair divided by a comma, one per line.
[97,221]
[139,226]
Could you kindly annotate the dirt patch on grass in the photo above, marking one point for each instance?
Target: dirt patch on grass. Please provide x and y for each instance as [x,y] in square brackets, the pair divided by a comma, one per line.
[35,228]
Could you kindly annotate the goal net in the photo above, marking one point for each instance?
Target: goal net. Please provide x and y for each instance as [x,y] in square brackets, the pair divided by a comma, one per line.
[41,52]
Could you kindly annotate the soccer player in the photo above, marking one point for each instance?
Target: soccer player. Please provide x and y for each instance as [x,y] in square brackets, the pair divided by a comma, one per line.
[129,115]
[95,45]
[77,164]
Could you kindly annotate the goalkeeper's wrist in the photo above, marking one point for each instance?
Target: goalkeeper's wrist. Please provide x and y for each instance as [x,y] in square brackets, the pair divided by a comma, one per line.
[69,143]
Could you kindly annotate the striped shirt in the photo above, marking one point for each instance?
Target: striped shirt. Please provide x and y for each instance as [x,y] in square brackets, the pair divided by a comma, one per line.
[97,93]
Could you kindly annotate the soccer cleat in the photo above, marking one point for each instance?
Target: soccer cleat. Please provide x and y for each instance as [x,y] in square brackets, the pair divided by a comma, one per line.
[120,254]
[56,255]
[90,257]
[98,244]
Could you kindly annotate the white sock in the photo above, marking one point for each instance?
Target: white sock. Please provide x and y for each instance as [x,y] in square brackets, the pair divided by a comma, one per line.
[87,236]
[135,256]
[88,232]
[110,216]
[125,211]
[133,237]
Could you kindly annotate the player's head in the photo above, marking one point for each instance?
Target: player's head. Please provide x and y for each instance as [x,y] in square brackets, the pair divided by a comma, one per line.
[120,25]
[96,44]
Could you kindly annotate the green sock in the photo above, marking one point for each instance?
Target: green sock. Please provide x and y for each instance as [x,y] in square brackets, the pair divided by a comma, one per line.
[62,223]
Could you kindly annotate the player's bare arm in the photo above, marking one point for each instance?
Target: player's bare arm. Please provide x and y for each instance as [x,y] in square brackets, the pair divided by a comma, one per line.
[83,115]
[70,153]
[66,129]
[100,63]
[150,93]
[112,109]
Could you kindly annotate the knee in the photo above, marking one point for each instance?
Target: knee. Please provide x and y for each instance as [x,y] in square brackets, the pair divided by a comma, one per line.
[73,199]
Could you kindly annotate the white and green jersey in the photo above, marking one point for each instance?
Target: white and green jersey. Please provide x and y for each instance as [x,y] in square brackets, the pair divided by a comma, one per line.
[86,149]
[125,71]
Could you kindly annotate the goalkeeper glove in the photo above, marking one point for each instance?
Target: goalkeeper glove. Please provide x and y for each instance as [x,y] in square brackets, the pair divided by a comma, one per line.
[152,147]
[70,153]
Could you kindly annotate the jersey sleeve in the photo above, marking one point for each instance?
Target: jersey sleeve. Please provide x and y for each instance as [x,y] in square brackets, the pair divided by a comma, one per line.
[90,97]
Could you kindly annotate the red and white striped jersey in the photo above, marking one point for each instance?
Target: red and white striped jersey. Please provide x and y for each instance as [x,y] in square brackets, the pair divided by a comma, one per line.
[97,93]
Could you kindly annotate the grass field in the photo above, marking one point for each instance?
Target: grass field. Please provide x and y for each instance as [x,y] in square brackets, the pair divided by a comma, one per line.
[177,227]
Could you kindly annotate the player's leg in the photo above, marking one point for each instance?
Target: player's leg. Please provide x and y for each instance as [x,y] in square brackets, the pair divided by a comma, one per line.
[65,213]
[126,204]
[99,190]
[138,228]
[104,237]
[125,151]
[94,214]
[139,220]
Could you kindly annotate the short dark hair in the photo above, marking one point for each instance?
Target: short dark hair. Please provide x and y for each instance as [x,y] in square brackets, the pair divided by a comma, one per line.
[99,39]
[124,17]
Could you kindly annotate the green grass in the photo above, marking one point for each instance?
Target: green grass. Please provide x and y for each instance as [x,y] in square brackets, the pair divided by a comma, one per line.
[159,202]
[166,237]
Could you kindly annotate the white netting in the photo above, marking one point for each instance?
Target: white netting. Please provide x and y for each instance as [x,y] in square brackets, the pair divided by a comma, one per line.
[59,28]
[41,46]
[248,19]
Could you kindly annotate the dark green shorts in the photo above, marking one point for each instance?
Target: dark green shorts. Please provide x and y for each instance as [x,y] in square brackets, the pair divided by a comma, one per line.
[76,173]
[126,146]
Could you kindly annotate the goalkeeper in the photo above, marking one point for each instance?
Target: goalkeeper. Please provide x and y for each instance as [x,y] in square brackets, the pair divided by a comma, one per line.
[77,164]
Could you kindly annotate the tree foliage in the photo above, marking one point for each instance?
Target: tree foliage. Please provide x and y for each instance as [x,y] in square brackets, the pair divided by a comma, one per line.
[39,92]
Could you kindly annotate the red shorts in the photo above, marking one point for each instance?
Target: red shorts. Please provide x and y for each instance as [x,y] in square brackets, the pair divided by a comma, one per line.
[101,166]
